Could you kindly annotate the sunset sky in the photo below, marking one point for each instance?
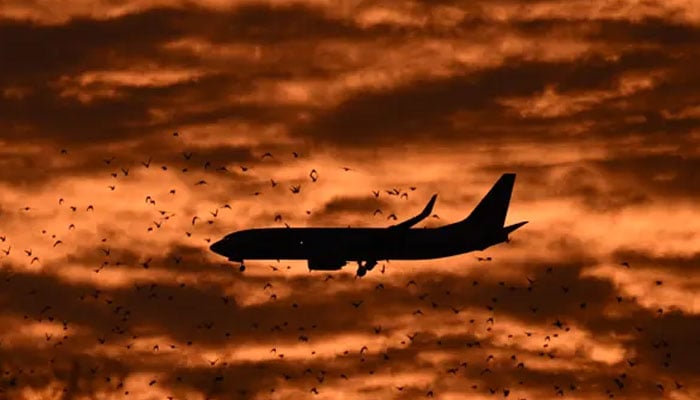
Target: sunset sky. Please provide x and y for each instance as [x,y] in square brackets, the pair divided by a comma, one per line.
[123,120]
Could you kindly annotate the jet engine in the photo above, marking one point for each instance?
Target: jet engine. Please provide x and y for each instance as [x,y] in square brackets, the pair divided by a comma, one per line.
[325,264]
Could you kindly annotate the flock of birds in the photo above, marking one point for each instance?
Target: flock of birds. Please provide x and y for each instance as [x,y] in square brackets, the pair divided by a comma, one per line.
[126,316]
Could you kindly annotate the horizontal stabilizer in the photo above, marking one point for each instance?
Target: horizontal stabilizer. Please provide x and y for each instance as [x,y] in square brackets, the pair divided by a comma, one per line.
[510,228]
[418,218]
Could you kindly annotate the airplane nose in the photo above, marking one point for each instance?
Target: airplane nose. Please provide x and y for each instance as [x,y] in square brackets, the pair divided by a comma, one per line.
[218,247]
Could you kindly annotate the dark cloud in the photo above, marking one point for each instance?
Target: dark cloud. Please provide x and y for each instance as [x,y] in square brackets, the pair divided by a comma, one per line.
[677,263]
[662,174]
[362,208]
[423,110]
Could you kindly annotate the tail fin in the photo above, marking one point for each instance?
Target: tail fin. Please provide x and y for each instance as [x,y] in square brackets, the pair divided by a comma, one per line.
[492,209]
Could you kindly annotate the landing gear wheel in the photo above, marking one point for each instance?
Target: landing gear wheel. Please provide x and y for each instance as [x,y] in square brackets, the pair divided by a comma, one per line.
[241,268]
[370,264]
[361,271]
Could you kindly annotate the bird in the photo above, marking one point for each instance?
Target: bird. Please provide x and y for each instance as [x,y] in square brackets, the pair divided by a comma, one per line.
[313,175]
[267,154]
[147,163]
[375,193]
[295,189]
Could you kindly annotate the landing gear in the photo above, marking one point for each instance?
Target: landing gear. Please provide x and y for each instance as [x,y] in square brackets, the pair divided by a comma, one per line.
[242,267]
[370,264]
[362,268]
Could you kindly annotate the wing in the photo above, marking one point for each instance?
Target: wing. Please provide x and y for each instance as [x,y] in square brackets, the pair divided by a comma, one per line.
[418,218]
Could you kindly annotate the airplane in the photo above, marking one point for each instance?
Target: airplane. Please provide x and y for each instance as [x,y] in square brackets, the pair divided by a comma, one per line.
[330,249]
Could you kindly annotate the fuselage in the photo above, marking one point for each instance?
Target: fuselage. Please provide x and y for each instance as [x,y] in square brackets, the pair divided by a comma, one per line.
[353,243]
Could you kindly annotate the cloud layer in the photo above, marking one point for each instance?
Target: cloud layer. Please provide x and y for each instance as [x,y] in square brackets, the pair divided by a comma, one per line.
[133,135]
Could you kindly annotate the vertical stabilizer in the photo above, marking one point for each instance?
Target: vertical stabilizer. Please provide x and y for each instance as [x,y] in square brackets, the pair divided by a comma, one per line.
[492,209]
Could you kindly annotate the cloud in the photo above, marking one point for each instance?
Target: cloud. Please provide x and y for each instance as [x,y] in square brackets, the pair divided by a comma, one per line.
[130,108]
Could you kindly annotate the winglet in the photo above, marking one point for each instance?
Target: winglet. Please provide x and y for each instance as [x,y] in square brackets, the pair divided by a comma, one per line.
[418,218]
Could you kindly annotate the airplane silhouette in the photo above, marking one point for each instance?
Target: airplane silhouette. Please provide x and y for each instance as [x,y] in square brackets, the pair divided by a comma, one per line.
[329,249]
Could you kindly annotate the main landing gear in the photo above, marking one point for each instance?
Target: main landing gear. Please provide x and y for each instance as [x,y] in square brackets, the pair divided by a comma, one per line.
[362,268]
[241,267]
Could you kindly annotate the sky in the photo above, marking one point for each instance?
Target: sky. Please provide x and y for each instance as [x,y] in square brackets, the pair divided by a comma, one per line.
[134,134]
